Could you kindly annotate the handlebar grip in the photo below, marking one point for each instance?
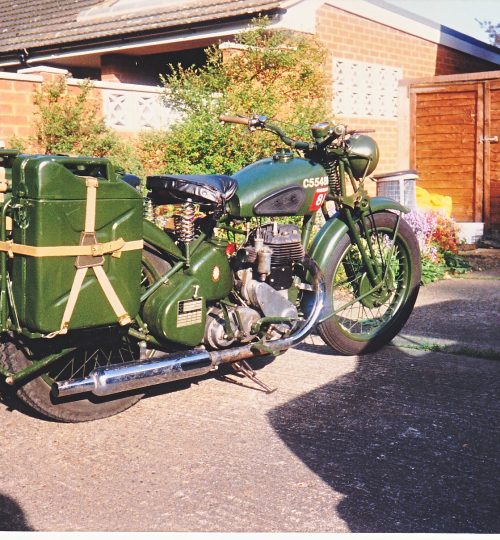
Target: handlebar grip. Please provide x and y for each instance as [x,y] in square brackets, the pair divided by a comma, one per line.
[301,145]
[360,131]
[234,119]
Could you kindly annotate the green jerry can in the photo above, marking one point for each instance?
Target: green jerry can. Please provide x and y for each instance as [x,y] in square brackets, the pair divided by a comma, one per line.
[50,208]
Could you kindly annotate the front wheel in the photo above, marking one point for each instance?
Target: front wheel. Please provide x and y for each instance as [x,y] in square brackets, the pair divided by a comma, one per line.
[366,320]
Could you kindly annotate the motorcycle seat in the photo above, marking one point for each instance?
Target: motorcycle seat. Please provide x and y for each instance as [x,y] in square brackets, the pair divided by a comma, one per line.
[205,189]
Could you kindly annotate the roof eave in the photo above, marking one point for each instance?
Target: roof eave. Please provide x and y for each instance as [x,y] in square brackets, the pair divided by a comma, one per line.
[401,19]
[116,43]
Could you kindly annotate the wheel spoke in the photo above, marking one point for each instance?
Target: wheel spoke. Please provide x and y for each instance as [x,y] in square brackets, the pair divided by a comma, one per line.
[367,316]
[82,362]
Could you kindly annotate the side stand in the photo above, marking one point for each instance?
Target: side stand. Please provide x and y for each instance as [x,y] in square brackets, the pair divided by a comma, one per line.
[243,368]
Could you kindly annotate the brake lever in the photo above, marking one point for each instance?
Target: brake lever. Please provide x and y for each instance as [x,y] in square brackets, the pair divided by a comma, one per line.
[356,131]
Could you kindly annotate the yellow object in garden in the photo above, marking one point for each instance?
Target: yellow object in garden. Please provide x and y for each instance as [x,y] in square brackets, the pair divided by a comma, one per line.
[433,201]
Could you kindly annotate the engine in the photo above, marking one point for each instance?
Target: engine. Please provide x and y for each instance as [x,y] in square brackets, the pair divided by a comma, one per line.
[270,252]
[263,270]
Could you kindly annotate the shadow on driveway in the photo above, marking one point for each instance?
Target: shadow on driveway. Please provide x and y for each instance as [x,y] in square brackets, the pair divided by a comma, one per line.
[411,441]
[11,515]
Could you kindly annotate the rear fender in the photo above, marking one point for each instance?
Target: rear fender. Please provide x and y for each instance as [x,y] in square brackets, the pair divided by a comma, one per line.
[159,239]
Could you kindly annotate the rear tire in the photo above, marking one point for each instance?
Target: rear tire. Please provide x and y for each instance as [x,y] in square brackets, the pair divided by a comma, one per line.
[36,393]
[370,323]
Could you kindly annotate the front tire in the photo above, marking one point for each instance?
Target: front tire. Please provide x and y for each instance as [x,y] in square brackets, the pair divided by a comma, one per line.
[365,323]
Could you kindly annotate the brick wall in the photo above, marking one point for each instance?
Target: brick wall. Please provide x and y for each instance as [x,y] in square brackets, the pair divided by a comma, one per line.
[126,108]
[352,37]
[16,104]
[16,99]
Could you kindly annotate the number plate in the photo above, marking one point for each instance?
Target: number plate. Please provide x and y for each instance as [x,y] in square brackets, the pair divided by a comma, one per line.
[318,199]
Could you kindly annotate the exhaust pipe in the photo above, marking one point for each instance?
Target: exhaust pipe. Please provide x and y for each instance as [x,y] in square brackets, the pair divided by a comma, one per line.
[104,381]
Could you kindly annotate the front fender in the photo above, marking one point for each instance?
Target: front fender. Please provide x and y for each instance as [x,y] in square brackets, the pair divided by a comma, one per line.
[379,204]
[333,230]
[326,241]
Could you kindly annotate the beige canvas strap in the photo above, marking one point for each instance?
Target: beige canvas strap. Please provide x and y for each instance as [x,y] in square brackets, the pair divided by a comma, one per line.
[3,180]
[116,247]
[92,185]
[133,245]
[122,316]
[96,250]
[120,312]
[3,184]
[72,298]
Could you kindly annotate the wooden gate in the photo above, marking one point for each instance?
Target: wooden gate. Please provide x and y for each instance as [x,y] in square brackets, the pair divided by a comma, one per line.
[492,154]
[455,142]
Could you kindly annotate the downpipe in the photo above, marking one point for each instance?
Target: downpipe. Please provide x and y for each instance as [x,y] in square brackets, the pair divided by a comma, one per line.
[105,381]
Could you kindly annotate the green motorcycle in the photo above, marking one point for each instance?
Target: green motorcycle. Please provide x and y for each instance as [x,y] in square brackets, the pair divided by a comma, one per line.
[100,299]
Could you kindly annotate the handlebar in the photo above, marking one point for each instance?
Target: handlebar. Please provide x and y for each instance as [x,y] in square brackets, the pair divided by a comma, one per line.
[235,119]
[262,122]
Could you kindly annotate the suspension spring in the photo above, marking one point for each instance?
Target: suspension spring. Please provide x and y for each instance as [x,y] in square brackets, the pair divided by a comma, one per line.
[184,222]
[333,176]
[148,210]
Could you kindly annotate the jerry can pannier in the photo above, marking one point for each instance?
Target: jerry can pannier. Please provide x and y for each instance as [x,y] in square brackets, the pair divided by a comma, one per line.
[60,204]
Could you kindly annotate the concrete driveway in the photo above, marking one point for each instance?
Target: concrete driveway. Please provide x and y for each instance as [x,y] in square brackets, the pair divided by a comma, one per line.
[404,440]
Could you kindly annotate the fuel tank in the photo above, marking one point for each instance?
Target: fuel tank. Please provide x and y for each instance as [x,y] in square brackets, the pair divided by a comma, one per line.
[282,185]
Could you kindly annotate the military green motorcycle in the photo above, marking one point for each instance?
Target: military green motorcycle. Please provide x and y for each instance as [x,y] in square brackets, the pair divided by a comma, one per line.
[98,301]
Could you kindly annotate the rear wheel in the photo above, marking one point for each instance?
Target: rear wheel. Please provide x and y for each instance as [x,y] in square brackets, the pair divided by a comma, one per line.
[76,364]
[363,321]
[111,349]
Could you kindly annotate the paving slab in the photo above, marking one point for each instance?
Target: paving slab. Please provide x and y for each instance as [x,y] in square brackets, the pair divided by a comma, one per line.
[463,312]
[403,440]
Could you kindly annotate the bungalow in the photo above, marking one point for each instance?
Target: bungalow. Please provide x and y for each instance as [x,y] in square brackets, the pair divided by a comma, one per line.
[376,51]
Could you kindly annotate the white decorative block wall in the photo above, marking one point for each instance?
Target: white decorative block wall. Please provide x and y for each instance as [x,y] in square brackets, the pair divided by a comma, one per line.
[365,90]
[130,110]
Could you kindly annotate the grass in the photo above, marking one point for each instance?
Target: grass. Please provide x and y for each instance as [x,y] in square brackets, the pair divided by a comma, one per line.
[457,350]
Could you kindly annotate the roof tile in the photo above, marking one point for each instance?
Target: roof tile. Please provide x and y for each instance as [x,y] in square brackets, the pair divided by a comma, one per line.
[56,23]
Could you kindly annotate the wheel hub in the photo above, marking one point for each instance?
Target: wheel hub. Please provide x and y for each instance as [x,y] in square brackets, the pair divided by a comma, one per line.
[380,296]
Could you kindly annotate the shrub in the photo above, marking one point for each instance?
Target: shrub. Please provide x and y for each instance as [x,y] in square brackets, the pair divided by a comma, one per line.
[437,236]
[69,122]
[274,72]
